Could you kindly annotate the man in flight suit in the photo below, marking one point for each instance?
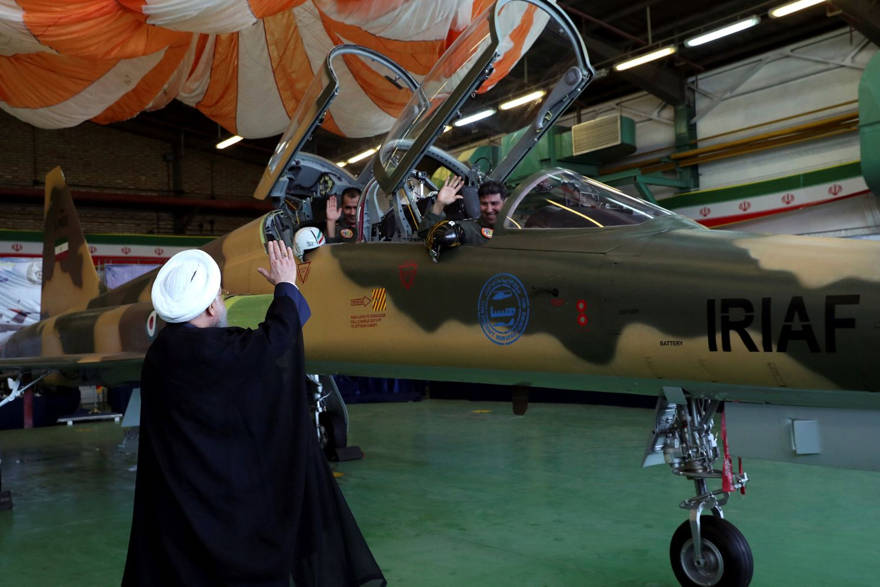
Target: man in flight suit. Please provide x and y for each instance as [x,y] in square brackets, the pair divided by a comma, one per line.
[342,221]
[476,231]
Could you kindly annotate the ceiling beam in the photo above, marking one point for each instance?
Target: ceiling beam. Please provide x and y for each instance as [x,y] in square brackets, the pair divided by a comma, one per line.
[665,84]
[863,16]
[630,9]
[151,202]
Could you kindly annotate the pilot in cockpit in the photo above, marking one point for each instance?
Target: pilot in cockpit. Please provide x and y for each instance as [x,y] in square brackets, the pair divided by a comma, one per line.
[342,220]
[475,231]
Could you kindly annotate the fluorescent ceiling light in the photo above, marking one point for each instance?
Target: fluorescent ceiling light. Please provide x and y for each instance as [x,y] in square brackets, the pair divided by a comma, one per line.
[447,128]
[786,9]
[723,31]
[341,164]
[642,59]
[537,95]
[474,117]
[361,156]
[230,141]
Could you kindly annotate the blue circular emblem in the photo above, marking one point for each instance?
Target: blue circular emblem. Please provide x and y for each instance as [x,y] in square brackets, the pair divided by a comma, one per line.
[503,308]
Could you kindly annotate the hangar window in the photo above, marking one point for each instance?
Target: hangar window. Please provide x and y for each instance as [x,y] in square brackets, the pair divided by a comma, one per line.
[563,199]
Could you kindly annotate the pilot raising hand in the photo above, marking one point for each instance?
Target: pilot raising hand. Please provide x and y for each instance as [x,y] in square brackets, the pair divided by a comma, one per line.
[333,210]
[448,193]
[342,220]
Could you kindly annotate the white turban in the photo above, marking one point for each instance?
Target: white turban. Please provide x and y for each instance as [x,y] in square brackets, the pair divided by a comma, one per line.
[185,286]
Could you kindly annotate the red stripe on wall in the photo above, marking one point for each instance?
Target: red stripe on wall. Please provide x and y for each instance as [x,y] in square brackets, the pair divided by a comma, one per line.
[726,220]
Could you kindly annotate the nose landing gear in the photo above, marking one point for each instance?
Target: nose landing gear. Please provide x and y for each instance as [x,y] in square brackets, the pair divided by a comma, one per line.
[724,555]
[704,550]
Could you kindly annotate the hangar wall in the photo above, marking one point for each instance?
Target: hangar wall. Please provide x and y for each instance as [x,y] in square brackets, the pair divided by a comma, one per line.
[804,77]
[814,80]
[28,215]
[99,158]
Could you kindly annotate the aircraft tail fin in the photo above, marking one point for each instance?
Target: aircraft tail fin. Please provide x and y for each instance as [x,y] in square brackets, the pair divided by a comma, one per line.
[69,276]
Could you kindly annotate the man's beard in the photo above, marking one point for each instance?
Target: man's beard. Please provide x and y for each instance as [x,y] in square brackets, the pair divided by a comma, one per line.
[222,321]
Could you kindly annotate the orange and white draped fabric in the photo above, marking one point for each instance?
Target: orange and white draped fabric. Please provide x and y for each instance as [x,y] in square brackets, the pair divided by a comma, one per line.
[243,63]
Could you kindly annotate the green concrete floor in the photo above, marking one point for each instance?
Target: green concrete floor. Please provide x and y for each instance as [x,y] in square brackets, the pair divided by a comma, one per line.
[465,493]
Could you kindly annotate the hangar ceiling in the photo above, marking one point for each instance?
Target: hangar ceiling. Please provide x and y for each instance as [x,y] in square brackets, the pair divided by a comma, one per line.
[612,33]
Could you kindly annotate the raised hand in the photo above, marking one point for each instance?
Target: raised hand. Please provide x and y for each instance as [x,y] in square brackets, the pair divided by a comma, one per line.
[333,214]
[448,193]
[333,210]
[282,264]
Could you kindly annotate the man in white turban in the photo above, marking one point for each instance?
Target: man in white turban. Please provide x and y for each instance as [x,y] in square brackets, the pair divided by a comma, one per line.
[232,488]
[187,288]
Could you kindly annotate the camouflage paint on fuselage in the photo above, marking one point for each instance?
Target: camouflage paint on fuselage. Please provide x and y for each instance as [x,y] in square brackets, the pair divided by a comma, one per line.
[238,254]
[658,301]
[628,308]
[102,338]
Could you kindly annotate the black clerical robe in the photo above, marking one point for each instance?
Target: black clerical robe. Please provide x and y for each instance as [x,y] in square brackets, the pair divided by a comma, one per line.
[231,487]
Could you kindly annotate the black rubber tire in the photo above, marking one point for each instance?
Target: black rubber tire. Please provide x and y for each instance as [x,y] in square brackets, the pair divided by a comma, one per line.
[728,558]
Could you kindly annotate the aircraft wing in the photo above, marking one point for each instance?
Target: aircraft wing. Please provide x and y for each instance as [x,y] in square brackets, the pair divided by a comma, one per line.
[112,367]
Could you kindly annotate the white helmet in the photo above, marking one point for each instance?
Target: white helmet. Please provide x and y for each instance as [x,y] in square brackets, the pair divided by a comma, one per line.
[306,239]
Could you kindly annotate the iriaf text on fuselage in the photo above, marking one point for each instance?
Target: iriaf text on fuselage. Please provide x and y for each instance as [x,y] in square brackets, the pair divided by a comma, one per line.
[734,316]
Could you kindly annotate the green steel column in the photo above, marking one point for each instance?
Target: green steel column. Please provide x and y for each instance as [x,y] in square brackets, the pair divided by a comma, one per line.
[686,137]
[869,117]
[644,190]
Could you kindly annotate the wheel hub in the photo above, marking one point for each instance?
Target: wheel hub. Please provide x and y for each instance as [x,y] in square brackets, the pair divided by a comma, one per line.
[709,571]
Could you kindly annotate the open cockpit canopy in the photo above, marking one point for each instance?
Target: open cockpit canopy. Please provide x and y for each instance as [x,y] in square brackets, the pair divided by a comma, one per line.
[486,66]
[459,88]
[284,176]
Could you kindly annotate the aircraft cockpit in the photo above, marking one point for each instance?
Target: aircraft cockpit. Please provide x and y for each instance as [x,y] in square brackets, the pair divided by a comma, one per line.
[428,121]
[396,216]
[429,141]
[300,183]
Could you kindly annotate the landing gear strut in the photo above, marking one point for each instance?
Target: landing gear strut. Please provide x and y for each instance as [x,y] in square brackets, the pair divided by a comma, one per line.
[331,420]
[705,550]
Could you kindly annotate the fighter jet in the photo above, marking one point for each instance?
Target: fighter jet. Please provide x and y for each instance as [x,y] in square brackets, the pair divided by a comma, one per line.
[580,286]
